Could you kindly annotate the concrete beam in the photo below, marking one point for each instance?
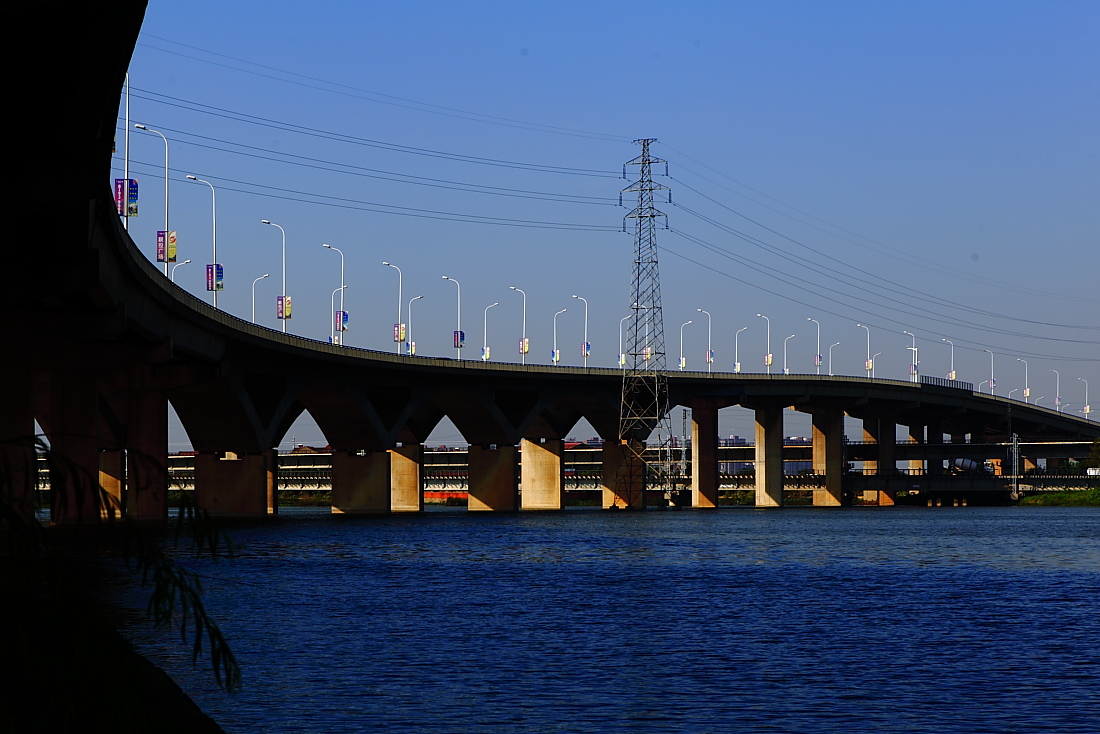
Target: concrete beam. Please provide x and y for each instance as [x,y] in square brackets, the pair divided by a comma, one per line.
[492,484]
[542,475]
[769,457]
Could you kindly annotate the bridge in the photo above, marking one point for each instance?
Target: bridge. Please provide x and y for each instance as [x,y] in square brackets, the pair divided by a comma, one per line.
[99,342]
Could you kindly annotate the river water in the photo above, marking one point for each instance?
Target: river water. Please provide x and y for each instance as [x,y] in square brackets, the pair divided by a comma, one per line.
[736,620]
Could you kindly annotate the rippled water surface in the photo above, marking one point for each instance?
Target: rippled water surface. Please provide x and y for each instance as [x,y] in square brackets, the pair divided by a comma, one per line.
[800,620]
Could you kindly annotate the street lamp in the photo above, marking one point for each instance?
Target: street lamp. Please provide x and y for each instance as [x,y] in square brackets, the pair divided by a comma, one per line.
[622,357]
[869,365]
[139,126]
[586,347]
[459,336]
[524,346]
[485,332]
[408,335]
[736,351]
[1027,385]
[1057,391]
[768,356]
[398,336]
[992,382]
[174,266]
[555,355]
[785,370]
[710,352]
[1012,391]
[212,282]
[834,344]
[265,275]
[683,362]
[338,327]
[1087,409]
[284,312]
[914,368]
[874,356]
[332,321]
[817,354]
[951,374]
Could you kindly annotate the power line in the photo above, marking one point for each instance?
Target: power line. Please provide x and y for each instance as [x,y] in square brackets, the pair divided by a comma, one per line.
[378,97]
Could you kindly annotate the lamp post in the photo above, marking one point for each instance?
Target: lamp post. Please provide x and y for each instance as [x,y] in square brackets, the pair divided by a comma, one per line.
[338,331]
[1087,409]
[736,352]
[332,321]
[212,280]
[683,362]
[869,365]
[523,345]
[710,352]
[411,350]
[139,126]
[398,336]
[555,355]
[174,266]
[265,275]
[914,368]
[285,310]
[1057,390]
[586,347]
[1027,385]
[874,356]
[951,374]
[983,382]
[817,354]
[485,332]
[785,370]
[834,344]
[768,356]
[1012,391]
[992,381]
[458,327]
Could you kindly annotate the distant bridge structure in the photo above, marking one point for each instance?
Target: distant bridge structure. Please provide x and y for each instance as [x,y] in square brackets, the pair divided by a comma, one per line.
[98,342]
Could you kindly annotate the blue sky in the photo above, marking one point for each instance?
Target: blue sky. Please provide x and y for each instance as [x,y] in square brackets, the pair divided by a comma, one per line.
[931,168]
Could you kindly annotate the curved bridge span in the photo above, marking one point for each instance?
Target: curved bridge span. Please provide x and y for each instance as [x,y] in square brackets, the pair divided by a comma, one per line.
[100,342]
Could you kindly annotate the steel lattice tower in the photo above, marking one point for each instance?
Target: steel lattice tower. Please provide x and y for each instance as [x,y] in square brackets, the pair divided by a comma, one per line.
[645,402]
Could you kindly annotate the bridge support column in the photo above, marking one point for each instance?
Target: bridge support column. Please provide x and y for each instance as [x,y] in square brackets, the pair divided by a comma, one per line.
[622,485]
[360,483]
[147,457]
[112,480]
[492,479]
[73,431]
[18,463]
[769,457]
[406,487]
[704,453]
[828,451]
[935,453]
[916,436]
[882,429]
[542,481]
[238,485]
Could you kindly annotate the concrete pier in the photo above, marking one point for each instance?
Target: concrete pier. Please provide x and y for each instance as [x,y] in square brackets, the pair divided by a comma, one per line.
[769,457]
[492,482]
[542,483]
[360,482]
[828,452]
[704,453]
[237,485]
[406,478]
